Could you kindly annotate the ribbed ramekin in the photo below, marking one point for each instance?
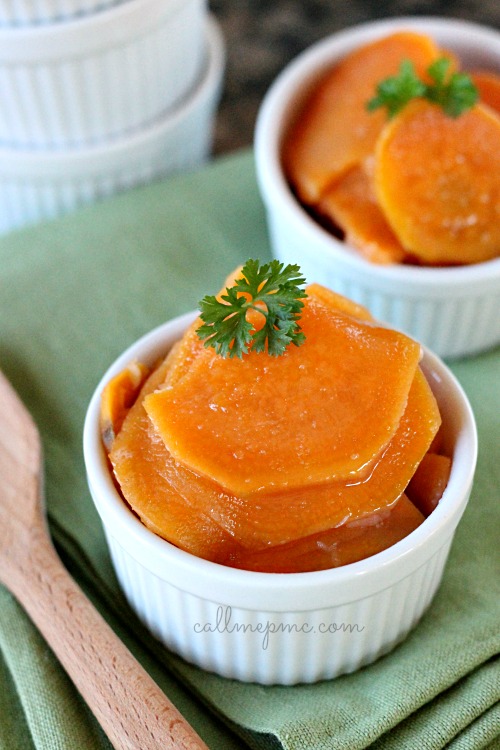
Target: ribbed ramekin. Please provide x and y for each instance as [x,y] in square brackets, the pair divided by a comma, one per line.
[281,628]
[100,76]
[453,311]
[15,13]
[37,185]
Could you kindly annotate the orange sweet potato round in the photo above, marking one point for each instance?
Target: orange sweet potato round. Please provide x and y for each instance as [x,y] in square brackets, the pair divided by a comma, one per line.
[351,205]
[437,181]
[263,518]
[335,301]
[140,462]
[429,482]
[488,85]
[334,131]
[186,351]
[319,412]
[335,547]
[117,398]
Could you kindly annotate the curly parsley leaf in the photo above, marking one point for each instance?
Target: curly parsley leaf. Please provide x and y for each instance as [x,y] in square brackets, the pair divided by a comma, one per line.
[454,93]
[273,290]
[396,91]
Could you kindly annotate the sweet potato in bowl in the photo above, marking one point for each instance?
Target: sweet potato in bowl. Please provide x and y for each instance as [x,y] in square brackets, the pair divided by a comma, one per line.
[172,590]
[425,164]
[252,459]
[449,308]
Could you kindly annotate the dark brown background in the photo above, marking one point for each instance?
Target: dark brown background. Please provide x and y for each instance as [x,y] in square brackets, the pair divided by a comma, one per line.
[263,36]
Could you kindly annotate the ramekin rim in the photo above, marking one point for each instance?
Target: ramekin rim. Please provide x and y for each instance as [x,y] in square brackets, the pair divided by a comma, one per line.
[80,34]
[38,18]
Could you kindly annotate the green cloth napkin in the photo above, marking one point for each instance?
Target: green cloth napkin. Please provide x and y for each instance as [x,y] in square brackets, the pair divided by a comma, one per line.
[73,294]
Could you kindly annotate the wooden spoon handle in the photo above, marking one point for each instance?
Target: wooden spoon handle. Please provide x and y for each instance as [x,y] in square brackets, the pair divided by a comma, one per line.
[129,705]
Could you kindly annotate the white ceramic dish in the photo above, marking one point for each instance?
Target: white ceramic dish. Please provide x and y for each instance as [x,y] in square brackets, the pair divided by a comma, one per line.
[15,13]
[103,75]
[37,185]
[280,628]
[453,311]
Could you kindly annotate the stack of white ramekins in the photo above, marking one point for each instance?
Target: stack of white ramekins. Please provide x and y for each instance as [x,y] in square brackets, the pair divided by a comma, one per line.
[98,96]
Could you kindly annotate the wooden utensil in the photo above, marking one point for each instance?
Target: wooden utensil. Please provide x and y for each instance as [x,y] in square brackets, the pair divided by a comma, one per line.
[129,705]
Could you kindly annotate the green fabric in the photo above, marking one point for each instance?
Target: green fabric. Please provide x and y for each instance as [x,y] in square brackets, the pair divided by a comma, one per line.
[73,294]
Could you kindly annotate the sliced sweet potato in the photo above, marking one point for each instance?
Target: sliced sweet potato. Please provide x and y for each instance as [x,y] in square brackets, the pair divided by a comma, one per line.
[118,396]
[350,204]
[319,412]
[437,445]
[334,547]
[488,85]
[140,462]
[184,353]
[437,181]
[197,514]
[269,518]
[335,301]
[190,346]
[429,482]
[334,131]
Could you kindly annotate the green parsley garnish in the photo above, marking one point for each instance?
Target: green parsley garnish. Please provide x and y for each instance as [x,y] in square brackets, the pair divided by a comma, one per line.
[455,93]
[274,290]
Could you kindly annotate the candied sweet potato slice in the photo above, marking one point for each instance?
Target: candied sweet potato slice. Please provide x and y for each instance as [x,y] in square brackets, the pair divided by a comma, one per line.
[268,518]
[335,301]
[437,181]
[335,547]
[319,412]
[118,396]
[334,131]
[488,85]
[351,205]
[429,482]
[139,462]
[183,355]
[185,351]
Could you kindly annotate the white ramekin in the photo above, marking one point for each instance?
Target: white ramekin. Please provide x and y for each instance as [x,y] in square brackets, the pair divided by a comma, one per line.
[281,628]
[103,75]
[37,185]
[453,311]
[29,13]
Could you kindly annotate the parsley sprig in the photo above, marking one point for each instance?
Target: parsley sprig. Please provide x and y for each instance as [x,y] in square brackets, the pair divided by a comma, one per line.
[454,92]
[274,290]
